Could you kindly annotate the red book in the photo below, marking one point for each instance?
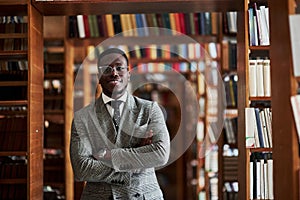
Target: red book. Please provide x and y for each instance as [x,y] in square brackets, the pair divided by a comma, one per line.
[86,26]
[196,23]
[182,23]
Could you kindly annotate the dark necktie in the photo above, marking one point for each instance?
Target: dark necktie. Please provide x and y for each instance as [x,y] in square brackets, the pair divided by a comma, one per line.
[117,116]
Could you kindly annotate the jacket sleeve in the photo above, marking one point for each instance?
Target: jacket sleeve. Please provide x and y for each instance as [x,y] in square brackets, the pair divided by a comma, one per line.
[155,154]
[85,167]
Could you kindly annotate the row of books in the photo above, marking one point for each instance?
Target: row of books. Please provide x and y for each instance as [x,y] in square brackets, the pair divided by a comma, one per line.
[13,75]
[13,191]
[258,122]
[11,44]
[258,25]
[13,65]
[259,78]
[261,176]
[230,191]
[86,26]
[13,93]
[13,24]
[13,170]
[189,51]
[165,67]
[53,86]
[10,129]
[12,108]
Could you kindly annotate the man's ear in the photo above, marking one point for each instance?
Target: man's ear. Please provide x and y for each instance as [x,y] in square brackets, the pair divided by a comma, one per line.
[128,76]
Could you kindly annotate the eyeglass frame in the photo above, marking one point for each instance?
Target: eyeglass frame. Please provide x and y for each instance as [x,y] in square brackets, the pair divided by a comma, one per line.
[118,67]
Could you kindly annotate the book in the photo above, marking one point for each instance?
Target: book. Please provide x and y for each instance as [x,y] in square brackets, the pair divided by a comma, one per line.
[260,78]
[252,78]
[267,77]
[295,102]
[80,25]
[294,21]
[251,128]
[109,25]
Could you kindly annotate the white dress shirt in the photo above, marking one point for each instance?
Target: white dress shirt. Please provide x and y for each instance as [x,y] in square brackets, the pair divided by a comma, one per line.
[107,99]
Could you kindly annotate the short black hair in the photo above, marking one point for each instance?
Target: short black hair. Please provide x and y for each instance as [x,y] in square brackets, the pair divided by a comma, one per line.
[110,51]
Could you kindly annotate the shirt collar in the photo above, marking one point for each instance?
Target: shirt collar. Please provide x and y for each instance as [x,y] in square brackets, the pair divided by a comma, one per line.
[107,99]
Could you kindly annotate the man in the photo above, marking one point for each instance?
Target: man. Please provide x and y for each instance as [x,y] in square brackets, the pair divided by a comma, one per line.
[116,155]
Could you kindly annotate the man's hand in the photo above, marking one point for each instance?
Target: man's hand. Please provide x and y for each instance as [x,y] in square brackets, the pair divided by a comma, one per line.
[148,139]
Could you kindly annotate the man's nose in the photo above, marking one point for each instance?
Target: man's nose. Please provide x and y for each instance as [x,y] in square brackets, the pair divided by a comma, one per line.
[114,72]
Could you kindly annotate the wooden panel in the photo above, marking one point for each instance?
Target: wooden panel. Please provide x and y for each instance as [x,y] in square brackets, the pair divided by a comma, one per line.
[35,94]
[242,59]
[69,82]
[54,27]
[285,141]
[134,6]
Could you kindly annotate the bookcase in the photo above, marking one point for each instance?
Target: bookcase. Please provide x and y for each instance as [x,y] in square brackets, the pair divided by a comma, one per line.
[58,110]
[21,85]
[108,7]
[255,104]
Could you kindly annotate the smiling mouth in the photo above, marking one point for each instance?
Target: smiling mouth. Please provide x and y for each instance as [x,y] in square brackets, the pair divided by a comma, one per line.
[115,81]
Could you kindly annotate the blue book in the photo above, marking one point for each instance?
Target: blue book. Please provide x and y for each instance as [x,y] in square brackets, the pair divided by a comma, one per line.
[259,128]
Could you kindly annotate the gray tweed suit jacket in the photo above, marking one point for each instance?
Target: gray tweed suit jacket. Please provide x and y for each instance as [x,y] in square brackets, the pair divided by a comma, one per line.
[131,173]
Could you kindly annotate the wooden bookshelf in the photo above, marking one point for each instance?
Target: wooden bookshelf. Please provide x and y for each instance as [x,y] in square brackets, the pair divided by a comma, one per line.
[26,109]
[57,69]
[250,51]
[61,8]
[133,6]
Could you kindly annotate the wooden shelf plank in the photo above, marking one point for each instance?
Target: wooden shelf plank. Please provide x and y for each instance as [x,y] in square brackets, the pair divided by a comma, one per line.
[13,153]
[13,83]
[14,103]
[14,54]
[76,7]
[13,181]
[13,35]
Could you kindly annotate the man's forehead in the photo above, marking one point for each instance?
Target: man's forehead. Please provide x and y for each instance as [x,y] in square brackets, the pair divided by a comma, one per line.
[112,58]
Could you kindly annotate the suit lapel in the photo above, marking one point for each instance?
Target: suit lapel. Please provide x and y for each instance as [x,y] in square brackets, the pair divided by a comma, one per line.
[127,123]
[105,121]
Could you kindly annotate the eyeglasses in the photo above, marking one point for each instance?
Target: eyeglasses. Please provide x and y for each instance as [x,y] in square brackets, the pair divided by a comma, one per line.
[106,70]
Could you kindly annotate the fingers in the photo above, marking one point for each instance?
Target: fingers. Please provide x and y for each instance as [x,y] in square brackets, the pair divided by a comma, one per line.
[148,139]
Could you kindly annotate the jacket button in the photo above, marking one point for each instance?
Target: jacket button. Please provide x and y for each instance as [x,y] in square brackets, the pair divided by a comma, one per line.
[137,195]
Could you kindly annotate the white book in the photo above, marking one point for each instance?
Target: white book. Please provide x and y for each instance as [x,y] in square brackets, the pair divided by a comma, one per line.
[256,39]
[252,78]
[191,51]
[258,174]
[260,78]
[259,28]
[251,180]
[80,25]
[295,42]
[266,184]
[250,126]
[264,29]
[270,178]
[262,182]
[269,125]
[200,130]
[295,101]
[267,77]
[213,49]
